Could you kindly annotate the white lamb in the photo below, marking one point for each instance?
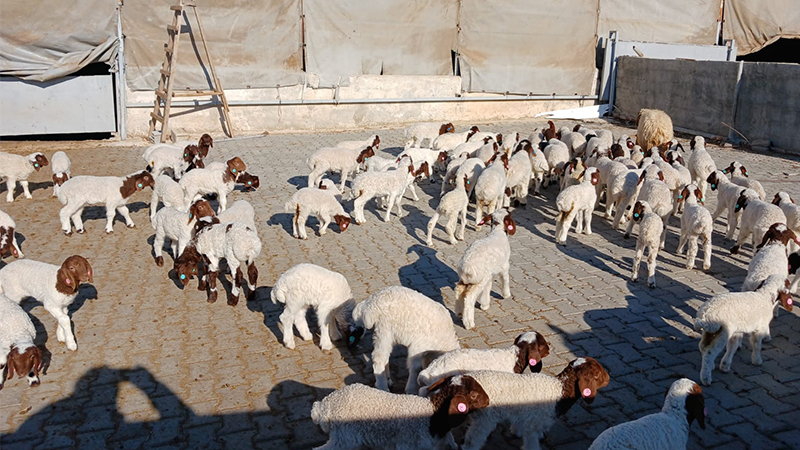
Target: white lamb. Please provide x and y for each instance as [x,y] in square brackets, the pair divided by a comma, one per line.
[491,187]
[556,154]
[518,177]
[400,316]
[60,164]
[417,134]
[449,141]
[696,222]
[650,230]
[621,191]
[486,152]
[434,159]
[160,157]
[700,163]
[178,226]
[55,286]
[310,286]
[757,217]
[113,192]
[483,259]
[374,164]
[451,205]
[530,403]
[528,350]
[472,168]
[17,349]
[391,184]
[791,211]
[740,176]
[8,237]
[656,193]
[449,179]
[216,178]
[668,429]
[18,168]
[346,161]
[727,194]
[320,203]
[359,416]
[169,192]
[466,148]
[772,257]
[725,318]
[575,142]
[577,202]
[539,166]
[373,141]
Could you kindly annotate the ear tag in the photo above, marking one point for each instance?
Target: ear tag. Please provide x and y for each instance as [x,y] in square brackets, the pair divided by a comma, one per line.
[587,392]
[352,339]
[745,174]
[462,408]
[36,165]
[680,197]
[185,155]
[234,170]
[67,281]
[713,186]
[509,227]
[789,301]
[183,277]
[191,215]
[468,182]
[532,361]
[636,215]
[249,183]
[140,184]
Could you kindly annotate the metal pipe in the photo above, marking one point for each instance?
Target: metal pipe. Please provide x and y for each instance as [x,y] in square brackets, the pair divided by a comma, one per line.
[121,94]
[369,101]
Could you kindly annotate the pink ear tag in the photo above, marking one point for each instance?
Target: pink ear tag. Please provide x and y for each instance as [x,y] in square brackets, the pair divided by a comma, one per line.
[67,281]
[789,301]
[462,408]
[532,361]
[705,411]
[587,392]
[510,228]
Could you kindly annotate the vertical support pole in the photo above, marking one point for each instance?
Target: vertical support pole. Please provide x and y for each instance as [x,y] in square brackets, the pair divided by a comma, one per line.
[731,134]
[612,71]
[122,96]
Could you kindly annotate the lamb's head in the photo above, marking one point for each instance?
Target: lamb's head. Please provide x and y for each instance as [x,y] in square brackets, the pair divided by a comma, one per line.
[200,208]
[376,142]
[442,157]
[691,190]
[7,242]
[185,265]
[136,182]
[60,178]
[686,397]
[472,131]
[782,197]
[190,152]
[532,349]
[343,221]
[778,285]
[453,398]
[640,209]
[250,181]
[234,167]
[446,128]
[365,155]
[550,132]
[734,167]
[26,361]
[714,179]
[73,271]
[503,158]
[778,232]
[350,330]
[745,197]
[697,142]
[38,160]
[576,128]
[424,170]
[204,143]
[582,378]
[616,151]
[501,216]
[525,145]
[591,174]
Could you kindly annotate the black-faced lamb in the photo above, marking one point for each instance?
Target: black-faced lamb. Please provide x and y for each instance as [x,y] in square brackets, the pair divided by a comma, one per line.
[60,164]
[650,230]
[317,202]
[577,202]
[696,222]
[418,133]
[17,349]
[15,168]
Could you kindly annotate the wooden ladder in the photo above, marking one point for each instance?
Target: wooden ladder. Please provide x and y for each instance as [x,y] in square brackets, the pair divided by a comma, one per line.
[165,91]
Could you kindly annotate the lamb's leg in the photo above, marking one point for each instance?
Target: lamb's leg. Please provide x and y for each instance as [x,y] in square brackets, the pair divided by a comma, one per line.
[478,213]
[733,222]
[25,190]
[450,228]
[587,217]
[505,279]
[477,433]
[485,297]
[732,345]
[755,344]
[287,322]
[64,216]
[619,214]
[358,209]
[431,225]
[110,213]
[153,204]
[743,235]
[637,260]
[212,285]
[652,255]
[302,217]
[343,180]
[707,252]
[566,223]
[530,440]
[663,238]
[301,324]
[629,229]
[692,252]
[223,201]
[326,221]
[126,215]
[468,311]
[382,349]
[158,246]
[64,330]
[460,234]
[414,365]
[579,221]
[413,191]
[11,185]
[314,177]
[392,199]
[710,347]
[16,246]
[236,271]
[324,319]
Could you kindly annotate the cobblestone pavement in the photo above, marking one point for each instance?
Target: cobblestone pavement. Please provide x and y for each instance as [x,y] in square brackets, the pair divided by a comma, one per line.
[160,367]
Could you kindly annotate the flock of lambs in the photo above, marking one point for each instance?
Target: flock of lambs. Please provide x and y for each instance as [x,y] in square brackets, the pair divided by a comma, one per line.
[643,181]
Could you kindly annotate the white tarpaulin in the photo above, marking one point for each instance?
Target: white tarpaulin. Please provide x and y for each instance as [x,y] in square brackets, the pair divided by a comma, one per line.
[757,23]
[42,40]
[379,37]
[523,46]
[254,43]
[667,21]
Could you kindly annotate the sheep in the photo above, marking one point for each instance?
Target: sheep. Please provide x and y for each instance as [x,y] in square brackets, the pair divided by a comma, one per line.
[18,168]
[578,128]
[577,202]
[650,230]
[401,316]
[449,178]
[376,164]
[727,195]
[451,205]
[696,222]
[725,318]
[483,259]
[249,182]
[556,154]
[621,191]
[550,132]
[335,159]
[654,127]
[391,183]
[791,211]
[575,142]
[320,203]
[55,286]
[570,173]
[700,164]
[360,416]
[740,176]
[203,144]
[510,142]
[490,187]
[668,429]
[17,349]
[518,177]
[60,164]
[530,403]
[772,258]
[169,192]
[472,169]
[656,193]
[8,237]
[637,154]
[607,170]
[467,147]
[373,142]
[528,350]
[417,134]
[160,157]
[603,140]
[540,169]
[757,217]
[216,178]
[683,177]
[449,141]
[237,243]
[178,226]
[309,285]
[419,156]
[81,191]
[486,152]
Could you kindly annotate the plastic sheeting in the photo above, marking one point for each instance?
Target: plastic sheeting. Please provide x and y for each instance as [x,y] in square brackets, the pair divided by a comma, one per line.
[757,23]
[360,37]
[253,43]
[523,46]
[42,40]
[668,21]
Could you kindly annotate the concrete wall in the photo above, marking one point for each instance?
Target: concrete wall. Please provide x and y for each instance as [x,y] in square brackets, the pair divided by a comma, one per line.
[702,95]
[256,119]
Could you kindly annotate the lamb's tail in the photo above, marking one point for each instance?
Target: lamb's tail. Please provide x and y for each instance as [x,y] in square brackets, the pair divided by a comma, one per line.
[277,294]
[563,215]
[462,291]
[707,325]
[290,206]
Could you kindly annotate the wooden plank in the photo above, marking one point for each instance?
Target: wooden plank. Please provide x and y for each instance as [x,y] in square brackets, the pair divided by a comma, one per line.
[164,72]
[173,28]
[176,7]
[196,93]
[217,85]
[161,93]
[156,117]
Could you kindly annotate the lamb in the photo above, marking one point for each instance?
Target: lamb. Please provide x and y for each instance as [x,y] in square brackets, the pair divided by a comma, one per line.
[249,182]
[656,193]
[556,154]
[518,177]
[549,132]
[570,173]
[510,142]
[472,168]
[373,142]
[468,147]
[727,195]
[668,429]
[740,176]
[17,349]
[359,416]
[772,258]
[391,184]
[309,285]
[203,144]
[791,211]
[725,318]
[449,141]
[169,192]
[700,163]
[597,142]
[696,222]
[578,128]
[575,142]
[490,187]
[417,134]
[684,178]
[8,237]
[540,169]
[60,166]
[528,350]
[55,286]
[240,211]
[622,190]
[113,192]
[486,152]
[451,205]
[449,179]
[651,228]
[18,168]
[178,226]
[530,403]
[654,127]
[577,202]
[757,217]
[423,155]
[160,157]
[483,259]
[401,316]
[607,170]
[336,159]
[320,203]
[376,164]
[216,178]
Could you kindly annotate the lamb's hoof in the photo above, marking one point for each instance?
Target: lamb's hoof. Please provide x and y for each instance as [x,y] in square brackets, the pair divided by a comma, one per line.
[724,367]
[201,286]
[107,232]
[233,300]
[72,346]
[160,261]
[212,297]
[289,345]
[651,284]
[67,233]
[706,268]
[131,226]
[757,362]
[626,236]
[734,250]
[484,307]
[326,348]
[81,231]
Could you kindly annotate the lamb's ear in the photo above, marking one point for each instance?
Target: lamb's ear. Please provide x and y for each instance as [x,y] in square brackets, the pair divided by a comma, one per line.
[661,175]
[580,177]
[509,225]
[744,171]
[684,194]
[485,219]
[641,177]
[435,385]
[775,200]
[699,194]
[10,363]
[695,407]
[785,298]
